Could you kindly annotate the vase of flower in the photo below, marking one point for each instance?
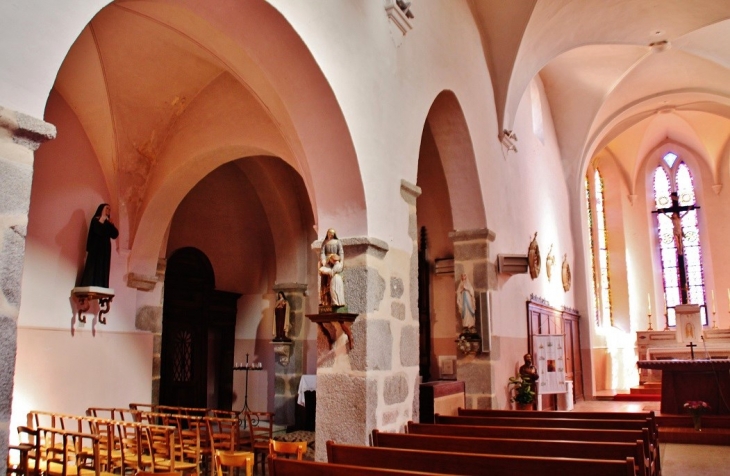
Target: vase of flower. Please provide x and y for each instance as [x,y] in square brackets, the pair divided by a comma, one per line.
[696,408]
[697,422]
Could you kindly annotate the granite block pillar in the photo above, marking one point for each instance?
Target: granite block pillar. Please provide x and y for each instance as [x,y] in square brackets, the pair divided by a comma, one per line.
[374,384]
[289,358]
[20,136]
[471,257]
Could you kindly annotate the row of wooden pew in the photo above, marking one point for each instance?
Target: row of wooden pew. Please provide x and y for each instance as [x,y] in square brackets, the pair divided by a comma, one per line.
[500,442]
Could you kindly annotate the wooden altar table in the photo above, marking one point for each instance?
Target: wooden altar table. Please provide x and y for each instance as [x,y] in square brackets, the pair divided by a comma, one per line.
[684,380]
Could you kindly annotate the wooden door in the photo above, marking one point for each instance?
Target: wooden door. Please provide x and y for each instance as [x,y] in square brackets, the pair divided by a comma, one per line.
[198,335]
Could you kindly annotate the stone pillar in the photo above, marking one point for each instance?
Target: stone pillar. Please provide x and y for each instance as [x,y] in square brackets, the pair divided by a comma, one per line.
[471,256]
[20,136]
[149,317]
[373,384]
[288,368]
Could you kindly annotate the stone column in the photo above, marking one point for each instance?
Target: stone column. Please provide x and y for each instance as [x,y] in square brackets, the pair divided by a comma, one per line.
[20,136]
[471,256]
[374,384]
[289,358]
[148,317]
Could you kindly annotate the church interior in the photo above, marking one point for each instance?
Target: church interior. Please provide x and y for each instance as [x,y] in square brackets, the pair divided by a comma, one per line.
[496,175]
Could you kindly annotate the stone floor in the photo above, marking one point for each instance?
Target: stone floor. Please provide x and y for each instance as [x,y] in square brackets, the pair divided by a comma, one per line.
[677,459]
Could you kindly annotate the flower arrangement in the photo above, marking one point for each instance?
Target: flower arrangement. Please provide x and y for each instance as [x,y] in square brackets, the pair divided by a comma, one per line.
[696,407]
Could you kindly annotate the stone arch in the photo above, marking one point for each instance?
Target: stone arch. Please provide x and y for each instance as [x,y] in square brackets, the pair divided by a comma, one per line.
[248,46]
[452,139]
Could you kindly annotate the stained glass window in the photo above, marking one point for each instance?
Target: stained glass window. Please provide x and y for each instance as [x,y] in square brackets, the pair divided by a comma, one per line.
[592,261]
[679,237]
[604,284]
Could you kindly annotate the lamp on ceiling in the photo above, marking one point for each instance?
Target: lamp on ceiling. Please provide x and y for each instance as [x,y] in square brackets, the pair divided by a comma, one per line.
[659,46]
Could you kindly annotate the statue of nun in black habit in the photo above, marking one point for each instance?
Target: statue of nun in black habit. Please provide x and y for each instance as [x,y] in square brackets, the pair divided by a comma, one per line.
[99,249]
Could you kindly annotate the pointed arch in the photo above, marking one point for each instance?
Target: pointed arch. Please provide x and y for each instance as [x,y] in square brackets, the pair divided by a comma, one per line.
[453,140]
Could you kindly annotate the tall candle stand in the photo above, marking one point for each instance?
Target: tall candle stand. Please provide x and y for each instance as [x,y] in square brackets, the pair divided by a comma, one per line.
[650,328]
[714,318]
[247,367]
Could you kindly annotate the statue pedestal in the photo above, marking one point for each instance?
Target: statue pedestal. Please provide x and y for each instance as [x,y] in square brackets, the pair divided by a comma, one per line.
[327,320]
[83,295]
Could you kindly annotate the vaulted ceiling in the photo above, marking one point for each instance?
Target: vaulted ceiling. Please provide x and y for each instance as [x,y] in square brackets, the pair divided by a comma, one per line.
[621,76]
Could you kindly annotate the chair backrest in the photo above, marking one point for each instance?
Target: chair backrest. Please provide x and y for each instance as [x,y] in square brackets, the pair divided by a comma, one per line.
[29,447]
[149,473]
[291,448]
[233,459]
[69,452]
[222,433]
[260,428]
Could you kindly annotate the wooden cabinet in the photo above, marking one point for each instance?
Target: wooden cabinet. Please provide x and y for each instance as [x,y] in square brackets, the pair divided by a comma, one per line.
[542,319]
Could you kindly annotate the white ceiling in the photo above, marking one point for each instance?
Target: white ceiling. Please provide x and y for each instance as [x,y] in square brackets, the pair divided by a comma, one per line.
[606,85]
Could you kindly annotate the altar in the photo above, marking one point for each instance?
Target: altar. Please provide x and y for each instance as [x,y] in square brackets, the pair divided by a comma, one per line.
[684,380]
[663,345]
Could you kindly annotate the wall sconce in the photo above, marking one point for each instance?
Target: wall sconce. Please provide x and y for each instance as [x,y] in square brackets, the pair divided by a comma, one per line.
[508,139]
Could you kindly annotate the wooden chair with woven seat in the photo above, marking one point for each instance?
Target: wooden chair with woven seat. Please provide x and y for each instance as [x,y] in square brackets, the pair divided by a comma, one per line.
[222,435]
[166,456]
[261,431]
[287,448]
[233,459]
[28,451]
[148,473]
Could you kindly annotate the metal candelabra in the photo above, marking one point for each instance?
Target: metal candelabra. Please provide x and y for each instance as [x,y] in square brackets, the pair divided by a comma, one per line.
[247,367]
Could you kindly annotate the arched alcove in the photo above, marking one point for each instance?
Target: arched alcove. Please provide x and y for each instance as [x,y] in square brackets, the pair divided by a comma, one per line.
[451,200]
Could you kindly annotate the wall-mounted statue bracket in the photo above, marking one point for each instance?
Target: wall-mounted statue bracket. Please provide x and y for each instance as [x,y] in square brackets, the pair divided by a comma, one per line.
[344,319]
[83,295]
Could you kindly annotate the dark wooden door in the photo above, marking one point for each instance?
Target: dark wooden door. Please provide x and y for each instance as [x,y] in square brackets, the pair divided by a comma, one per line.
[198,329]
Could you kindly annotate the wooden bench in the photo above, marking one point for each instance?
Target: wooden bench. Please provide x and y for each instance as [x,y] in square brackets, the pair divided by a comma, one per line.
[650,416]
[469,464]
[538,433]
[287,467]
[546,448]
[646,417]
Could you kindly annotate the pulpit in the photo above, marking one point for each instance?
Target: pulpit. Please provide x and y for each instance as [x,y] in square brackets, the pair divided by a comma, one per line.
[684,380]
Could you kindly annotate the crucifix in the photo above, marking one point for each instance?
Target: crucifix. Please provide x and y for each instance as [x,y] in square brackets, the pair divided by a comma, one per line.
[675,213]
[691,346]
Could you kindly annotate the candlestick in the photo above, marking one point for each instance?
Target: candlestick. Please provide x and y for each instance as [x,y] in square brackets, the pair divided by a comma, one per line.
[713,301]
[648,300]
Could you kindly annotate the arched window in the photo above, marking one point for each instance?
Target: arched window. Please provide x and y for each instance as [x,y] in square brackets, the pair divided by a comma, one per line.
[679,236]
[599,250]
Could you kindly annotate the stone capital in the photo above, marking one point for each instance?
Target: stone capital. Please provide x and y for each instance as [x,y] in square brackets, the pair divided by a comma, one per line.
[410,192]
[290,287]
[471,235]
[25,130]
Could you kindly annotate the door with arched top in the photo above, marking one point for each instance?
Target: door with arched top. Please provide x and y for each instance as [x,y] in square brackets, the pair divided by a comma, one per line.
[198,329]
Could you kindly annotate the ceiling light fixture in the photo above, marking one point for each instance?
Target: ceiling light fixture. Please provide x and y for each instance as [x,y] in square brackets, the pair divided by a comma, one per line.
[659,46]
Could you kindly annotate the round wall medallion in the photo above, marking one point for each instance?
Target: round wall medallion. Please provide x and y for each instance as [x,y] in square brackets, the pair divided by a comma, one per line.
[533,257]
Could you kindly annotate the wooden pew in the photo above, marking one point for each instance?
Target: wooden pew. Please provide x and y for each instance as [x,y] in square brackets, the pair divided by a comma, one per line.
[650,416]
[546,423]
[597,424]
[469,464]
[287,467]
[545,448]
[536,433]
